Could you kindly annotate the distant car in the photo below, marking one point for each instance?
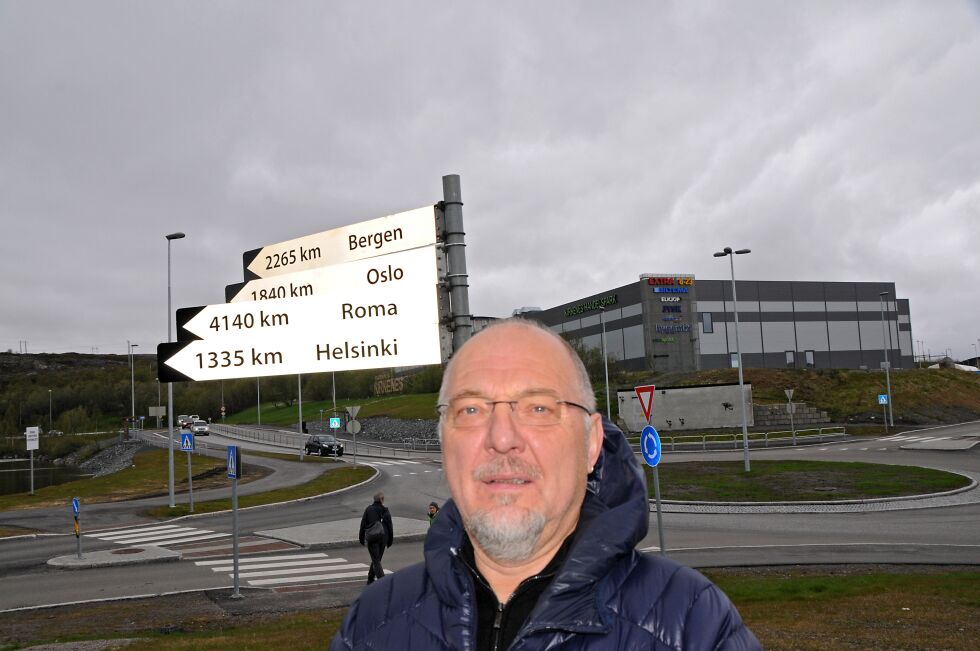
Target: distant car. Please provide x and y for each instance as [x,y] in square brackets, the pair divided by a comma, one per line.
[200,428]
[184,420]
[324,444]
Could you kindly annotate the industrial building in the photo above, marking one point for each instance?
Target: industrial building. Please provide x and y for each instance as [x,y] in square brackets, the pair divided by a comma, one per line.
[674,322]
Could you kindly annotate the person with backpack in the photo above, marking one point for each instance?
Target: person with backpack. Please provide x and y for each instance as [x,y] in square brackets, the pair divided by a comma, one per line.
[376,531]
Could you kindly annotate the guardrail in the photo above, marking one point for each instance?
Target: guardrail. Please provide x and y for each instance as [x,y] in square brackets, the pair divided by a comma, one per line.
[756,439]
[295,440]
[279,437]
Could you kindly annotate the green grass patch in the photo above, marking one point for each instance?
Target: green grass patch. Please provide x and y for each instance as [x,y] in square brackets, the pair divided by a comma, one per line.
[817,608]
[805,608]
[792,481]
[294,631]
[146,477]
[331,480]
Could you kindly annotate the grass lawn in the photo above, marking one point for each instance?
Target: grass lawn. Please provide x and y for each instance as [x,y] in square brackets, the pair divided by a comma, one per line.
[331,480]
[146,477]
[806,609]
[791,481]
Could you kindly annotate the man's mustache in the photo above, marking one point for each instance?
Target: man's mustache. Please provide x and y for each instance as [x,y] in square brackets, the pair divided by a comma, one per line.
[506,466]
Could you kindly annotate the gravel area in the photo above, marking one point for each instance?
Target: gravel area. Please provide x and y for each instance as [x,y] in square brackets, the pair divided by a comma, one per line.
[112,459]
[389,430]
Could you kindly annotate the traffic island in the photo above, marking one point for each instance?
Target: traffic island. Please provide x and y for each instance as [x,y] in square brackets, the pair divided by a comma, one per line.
[113,557]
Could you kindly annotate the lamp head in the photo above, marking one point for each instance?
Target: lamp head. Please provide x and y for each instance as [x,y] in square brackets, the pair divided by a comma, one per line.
[175,236]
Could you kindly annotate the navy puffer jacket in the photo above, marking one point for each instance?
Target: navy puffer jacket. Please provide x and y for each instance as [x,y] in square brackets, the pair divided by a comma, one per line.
[605,596]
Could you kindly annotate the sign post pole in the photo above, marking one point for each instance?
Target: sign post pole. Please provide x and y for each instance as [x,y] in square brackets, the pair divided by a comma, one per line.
[187,445]
[883,401]
[234,472]
[789,408]
[651,449]
[78,532]
[190,485]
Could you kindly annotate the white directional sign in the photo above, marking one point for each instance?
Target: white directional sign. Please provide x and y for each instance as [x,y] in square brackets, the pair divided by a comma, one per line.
[32,435]
[387,317]
[330,280]
[399,232]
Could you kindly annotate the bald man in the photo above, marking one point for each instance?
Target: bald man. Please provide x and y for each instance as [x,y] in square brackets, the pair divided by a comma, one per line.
[536,548]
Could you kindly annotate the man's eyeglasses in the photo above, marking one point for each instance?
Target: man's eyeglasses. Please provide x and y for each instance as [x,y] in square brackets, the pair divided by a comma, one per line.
[531,411]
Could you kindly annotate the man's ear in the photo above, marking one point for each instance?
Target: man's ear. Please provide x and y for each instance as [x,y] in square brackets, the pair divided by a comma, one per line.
[596,436]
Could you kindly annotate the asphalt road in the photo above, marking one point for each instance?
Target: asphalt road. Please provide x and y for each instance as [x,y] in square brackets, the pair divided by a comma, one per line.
[938,534]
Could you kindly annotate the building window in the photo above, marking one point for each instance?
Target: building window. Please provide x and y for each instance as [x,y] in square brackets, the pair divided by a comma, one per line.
[808,355]
[706,323]
[790,359]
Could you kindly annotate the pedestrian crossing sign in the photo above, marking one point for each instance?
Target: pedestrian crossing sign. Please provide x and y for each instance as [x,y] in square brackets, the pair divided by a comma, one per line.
[186,442]
[234,462]
[882,398]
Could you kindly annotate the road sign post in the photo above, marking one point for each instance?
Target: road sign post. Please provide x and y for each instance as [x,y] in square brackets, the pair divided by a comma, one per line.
[652,450]
[883,401]
[187,445]
[354,426]
[234,464]
[75,508]
[790,409]
[32,435]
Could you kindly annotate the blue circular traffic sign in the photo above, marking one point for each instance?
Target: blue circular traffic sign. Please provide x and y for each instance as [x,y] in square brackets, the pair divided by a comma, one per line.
[650,445]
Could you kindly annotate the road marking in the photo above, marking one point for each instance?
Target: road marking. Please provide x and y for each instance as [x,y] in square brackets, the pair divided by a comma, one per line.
[288,572]
[864,449]
[262,559]
[157,536]
[288,568]
[310,578]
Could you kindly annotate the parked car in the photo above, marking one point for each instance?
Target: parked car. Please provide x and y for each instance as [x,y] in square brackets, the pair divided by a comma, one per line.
[324,444]
[200,428]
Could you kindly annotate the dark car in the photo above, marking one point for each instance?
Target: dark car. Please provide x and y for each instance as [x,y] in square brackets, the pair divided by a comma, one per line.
[323,445]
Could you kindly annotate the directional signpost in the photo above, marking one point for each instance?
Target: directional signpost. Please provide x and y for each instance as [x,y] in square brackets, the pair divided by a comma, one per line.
[187,445]
[32,435]
[372,238]
[234,472]
[651,449]
[389,317]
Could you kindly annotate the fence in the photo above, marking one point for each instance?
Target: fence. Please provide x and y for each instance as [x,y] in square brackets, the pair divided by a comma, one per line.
[756,439]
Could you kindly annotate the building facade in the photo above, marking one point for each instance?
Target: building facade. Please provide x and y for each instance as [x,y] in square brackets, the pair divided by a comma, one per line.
[674,322]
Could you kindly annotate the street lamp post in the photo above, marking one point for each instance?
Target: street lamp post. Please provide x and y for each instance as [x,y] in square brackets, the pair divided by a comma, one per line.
[727,251]
[170,387]
[158,403]
[884,345]
[605,360]
[49,411]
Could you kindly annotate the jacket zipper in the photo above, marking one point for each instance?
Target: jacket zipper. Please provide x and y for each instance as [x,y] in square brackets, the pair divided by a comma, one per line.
[496,626]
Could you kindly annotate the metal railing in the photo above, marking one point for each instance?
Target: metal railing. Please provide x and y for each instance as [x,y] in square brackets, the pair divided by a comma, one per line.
[733,441]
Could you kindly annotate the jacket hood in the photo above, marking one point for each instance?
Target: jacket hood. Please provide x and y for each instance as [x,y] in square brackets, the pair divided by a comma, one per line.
[614,517]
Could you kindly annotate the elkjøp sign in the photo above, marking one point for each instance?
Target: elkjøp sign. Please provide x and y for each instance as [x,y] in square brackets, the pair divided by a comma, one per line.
[375,237]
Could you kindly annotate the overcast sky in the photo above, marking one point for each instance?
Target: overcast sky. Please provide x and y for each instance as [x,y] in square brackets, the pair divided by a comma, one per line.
[595,142]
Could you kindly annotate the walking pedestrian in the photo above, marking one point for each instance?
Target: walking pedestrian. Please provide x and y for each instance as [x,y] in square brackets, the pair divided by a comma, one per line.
[376,531]
[433,512]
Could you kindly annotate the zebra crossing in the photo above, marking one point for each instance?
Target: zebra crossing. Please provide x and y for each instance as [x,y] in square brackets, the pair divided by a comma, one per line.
[288,570]
[157,535]
[909,438]
[391,462]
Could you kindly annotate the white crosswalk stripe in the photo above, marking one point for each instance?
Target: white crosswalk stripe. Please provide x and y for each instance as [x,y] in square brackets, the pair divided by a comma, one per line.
[288,569]
[159,535]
